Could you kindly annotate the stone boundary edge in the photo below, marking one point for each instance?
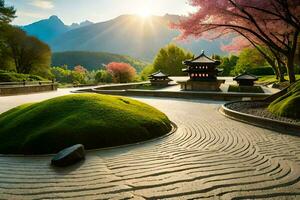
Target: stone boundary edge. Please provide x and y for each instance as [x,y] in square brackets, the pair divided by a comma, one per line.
[275,125]
[28,89]
[173,130]
[180,94]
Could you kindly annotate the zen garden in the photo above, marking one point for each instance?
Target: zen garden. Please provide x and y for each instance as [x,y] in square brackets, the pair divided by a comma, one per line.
[138,103]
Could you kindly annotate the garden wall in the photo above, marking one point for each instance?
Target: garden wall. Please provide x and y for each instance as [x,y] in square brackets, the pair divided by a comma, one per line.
[27,89]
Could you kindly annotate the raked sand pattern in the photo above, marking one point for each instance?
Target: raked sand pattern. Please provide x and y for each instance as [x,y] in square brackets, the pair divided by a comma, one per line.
[209,157]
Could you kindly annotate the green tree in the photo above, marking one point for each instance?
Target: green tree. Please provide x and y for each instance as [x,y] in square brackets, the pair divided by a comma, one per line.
[61,74]
[249,58]
[102,76]
[7,14]
[146,72]
[29,53]
[169,60]
[228,64]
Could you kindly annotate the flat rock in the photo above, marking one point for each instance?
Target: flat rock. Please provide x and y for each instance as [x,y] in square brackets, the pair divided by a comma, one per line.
[69,156]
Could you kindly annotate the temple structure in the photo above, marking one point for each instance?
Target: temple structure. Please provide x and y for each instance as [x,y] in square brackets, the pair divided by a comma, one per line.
[203,74]
[159,79]
[245,79]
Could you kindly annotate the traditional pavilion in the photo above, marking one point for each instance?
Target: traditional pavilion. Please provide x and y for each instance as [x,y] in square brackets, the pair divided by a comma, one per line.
[245,79]
[159,79]
[203,74]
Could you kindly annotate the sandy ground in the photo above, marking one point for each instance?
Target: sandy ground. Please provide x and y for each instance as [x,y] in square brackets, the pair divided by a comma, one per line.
[209,157]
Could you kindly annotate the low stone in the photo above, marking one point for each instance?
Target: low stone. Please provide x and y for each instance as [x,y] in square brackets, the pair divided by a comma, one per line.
[69,156]
[275,85]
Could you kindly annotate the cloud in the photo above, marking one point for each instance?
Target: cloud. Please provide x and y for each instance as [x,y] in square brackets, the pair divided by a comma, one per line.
[44,4]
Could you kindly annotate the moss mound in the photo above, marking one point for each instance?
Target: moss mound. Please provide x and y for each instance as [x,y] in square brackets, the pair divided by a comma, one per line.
[288,105]
[93,120]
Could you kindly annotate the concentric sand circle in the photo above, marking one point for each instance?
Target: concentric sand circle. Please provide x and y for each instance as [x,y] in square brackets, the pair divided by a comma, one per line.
[209,157]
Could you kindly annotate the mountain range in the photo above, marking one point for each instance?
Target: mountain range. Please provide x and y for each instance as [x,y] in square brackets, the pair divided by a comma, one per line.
[127,35]
[49,29]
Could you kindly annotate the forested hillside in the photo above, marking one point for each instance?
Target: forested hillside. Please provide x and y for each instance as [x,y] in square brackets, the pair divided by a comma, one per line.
[93,60]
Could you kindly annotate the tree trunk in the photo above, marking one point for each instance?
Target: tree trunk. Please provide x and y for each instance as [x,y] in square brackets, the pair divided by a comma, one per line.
[291,58]
[291,69]
[280,73]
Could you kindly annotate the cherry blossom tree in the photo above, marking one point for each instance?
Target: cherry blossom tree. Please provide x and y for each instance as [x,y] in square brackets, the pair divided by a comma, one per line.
[274,24]
[121,72]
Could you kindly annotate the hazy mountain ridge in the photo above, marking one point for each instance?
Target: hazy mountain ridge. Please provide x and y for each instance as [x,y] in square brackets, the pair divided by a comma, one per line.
[51,28]
[126,35]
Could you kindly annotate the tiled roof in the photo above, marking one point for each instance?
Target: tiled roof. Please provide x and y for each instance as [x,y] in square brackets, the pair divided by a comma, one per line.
[202,59]
[246,76]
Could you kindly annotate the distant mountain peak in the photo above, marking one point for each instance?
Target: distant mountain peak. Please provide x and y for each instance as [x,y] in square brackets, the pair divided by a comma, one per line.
[54,17]
[81,24]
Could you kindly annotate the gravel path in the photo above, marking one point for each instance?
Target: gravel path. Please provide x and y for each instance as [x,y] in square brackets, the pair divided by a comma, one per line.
[209,157]
[259,109]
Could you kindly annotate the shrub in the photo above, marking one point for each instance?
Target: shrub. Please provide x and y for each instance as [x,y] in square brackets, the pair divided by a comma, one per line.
[121,72]
[288,105]
[16,77]
[260,71]
[245,89]
[103,76]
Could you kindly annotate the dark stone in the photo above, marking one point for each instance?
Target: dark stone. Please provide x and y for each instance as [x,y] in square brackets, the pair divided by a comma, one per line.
[275,85]
[69,156]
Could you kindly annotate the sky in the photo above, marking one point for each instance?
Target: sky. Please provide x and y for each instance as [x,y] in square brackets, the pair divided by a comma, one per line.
[71,11]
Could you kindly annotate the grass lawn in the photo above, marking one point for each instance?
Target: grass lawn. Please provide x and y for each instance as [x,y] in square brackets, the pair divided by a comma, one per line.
[93,120]
[288,105]
[269,79]
[246,89]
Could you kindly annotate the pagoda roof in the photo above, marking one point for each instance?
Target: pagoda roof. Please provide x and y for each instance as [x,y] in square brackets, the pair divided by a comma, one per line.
[245,76]
[158,74]
[202,59]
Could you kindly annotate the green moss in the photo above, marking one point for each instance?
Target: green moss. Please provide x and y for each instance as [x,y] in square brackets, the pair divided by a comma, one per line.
[288,105]
[93,120]
[246,89]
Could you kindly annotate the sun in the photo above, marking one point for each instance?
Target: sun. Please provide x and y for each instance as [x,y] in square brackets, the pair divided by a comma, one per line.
[144,12]
[144,8]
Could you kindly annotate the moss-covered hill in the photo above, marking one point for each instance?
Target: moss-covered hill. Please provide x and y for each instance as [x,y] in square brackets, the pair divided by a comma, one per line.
[93,120]
[288,105]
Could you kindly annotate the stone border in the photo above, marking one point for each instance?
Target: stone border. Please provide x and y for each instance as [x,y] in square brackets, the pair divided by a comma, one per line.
[267,123]
[230,96]
[27,89]
[173,130]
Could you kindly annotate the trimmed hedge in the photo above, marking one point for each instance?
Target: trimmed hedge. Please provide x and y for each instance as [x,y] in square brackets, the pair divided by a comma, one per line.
[245,89]
[260,71]
[16,77]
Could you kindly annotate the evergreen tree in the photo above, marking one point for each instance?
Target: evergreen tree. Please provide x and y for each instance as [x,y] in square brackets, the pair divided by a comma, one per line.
[7,14]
